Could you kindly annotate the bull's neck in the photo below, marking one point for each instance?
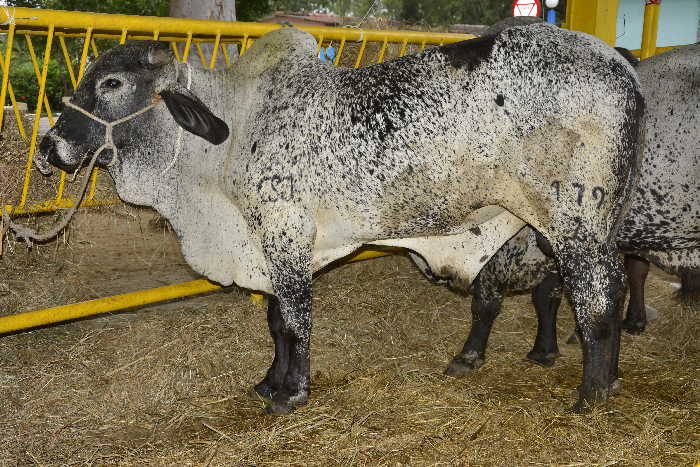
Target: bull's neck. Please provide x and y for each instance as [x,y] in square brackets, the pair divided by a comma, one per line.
[195,171]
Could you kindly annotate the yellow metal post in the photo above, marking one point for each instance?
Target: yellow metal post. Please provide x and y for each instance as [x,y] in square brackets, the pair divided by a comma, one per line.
[341,48]
[360,54]
[84,54]
[595,17]
[103,305]
[651,28]
[380,58]
[6,69]
[37,114]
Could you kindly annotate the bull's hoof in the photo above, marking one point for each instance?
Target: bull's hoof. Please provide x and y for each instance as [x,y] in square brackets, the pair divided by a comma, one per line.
[278,408]
[615,387]
[595,397]
[463,364]
[544,359]
[282,403]
[634,327]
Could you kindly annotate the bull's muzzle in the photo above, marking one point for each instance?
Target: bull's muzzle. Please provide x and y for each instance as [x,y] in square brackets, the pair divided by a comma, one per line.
[53,151]
[47,154]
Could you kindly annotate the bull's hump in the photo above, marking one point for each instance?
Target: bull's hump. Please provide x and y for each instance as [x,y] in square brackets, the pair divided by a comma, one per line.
[282,44]
[468,54]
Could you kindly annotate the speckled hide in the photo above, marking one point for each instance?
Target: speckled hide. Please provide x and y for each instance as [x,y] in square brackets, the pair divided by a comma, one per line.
[665,209]
[662,225]
[447,152]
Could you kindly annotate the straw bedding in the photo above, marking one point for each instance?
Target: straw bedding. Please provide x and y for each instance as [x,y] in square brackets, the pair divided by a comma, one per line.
[168,384]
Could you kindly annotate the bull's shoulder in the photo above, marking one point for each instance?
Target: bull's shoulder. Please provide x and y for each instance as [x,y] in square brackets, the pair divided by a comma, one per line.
[284,45]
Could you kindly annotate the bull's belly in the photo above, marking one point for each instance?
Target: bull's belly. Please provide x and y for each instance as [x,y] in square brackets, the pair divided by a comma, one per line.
[459,255]
[673,261]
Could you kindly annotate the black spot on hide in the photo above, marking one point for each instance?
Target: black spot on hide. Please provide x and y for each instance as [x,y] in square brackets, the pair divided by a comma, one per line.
[500,100]
[254,148]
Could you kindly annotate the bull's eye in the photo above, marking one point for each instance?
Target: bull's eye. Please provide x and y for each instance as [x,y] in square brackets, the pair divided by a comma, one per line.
[111,83]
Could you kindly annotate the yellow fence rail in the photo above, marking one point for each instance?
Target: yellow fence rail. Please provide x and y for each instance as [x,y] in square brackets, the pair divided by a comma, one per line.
[187,38]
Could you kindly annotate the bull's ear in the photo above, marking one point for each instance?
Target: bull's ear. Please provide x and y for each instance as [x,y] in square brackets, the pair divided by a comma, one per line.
[192,115]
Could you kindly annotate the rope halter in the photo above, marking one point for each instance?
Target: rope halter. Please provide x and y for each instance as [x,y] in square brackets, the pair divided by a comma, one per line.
[29,235]
[109,143]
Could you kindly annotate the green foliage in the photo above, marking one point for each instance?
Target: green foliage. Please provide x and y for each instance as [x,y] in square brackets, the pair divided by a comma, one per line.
[306,6]
[251,10]
[431,13]
[22,73]
[445,12]
[124,7]
[26,85]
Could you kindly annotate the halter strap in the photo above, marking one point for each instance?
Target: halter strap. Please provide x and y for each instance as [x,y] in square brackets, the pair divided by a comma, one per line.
[178,142]
[109,143]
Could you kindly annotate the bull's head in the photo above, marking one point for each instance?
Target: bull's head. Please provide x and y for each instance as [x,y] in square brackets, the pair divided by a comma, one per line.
[123,81]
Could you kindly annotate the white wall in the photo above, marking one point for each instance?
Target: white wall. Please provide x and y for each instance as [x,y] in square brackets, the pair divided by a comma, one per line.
[678,23]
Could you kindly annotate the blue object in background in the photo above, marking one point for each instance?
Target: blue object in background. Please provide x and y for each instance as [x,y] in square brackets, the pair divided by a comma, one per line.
[330,53]
[327,54]
[552,16]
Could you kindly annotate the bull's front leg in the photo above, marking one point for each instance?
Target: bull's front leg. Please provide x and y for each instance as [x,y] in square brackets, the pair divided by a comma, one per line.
[487,299]
[274,379]
[593,274]
[286,384]
[637,269]
[546,297]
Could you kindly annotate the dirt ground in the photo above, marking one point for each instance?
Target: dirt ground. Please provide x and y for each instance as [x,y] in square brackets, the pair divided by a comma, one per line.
[167,384]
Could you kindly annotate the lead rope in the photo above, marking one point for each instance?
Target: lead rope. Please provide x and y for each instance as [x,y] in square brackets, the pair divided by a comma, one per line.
[178,142]
[29,235]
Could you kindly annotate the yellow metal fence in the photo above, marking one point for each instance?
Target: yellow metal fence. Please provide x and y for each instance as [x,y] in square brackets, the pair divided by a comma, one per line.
[94,31]
[355,47]
[186,37]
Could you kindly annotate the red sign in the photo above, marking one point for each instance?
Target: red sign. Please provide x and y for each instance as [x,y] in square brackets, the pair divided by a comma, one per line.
[653,2]
[527,8]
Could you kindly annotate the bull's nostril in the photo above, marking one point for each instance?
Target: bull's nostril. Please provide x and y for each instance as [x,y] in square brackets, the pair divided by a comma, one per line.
[50,153]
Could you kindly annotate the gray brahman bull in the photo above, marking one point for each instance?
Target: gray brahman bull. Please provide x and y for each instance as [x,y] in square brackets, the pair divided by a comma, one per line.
[662,225]
[447,153]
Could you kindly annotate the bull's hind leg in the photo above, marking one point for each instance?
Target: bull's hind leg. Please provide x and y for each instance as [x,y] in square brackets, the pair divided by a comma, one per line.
[637,269]
[546,297]
[690,286]
[593,275]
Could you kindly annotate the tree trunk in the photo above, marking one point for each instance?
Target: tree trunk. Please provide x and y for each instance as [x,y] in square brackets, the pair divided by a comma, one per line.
[218,10]
[221,10]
